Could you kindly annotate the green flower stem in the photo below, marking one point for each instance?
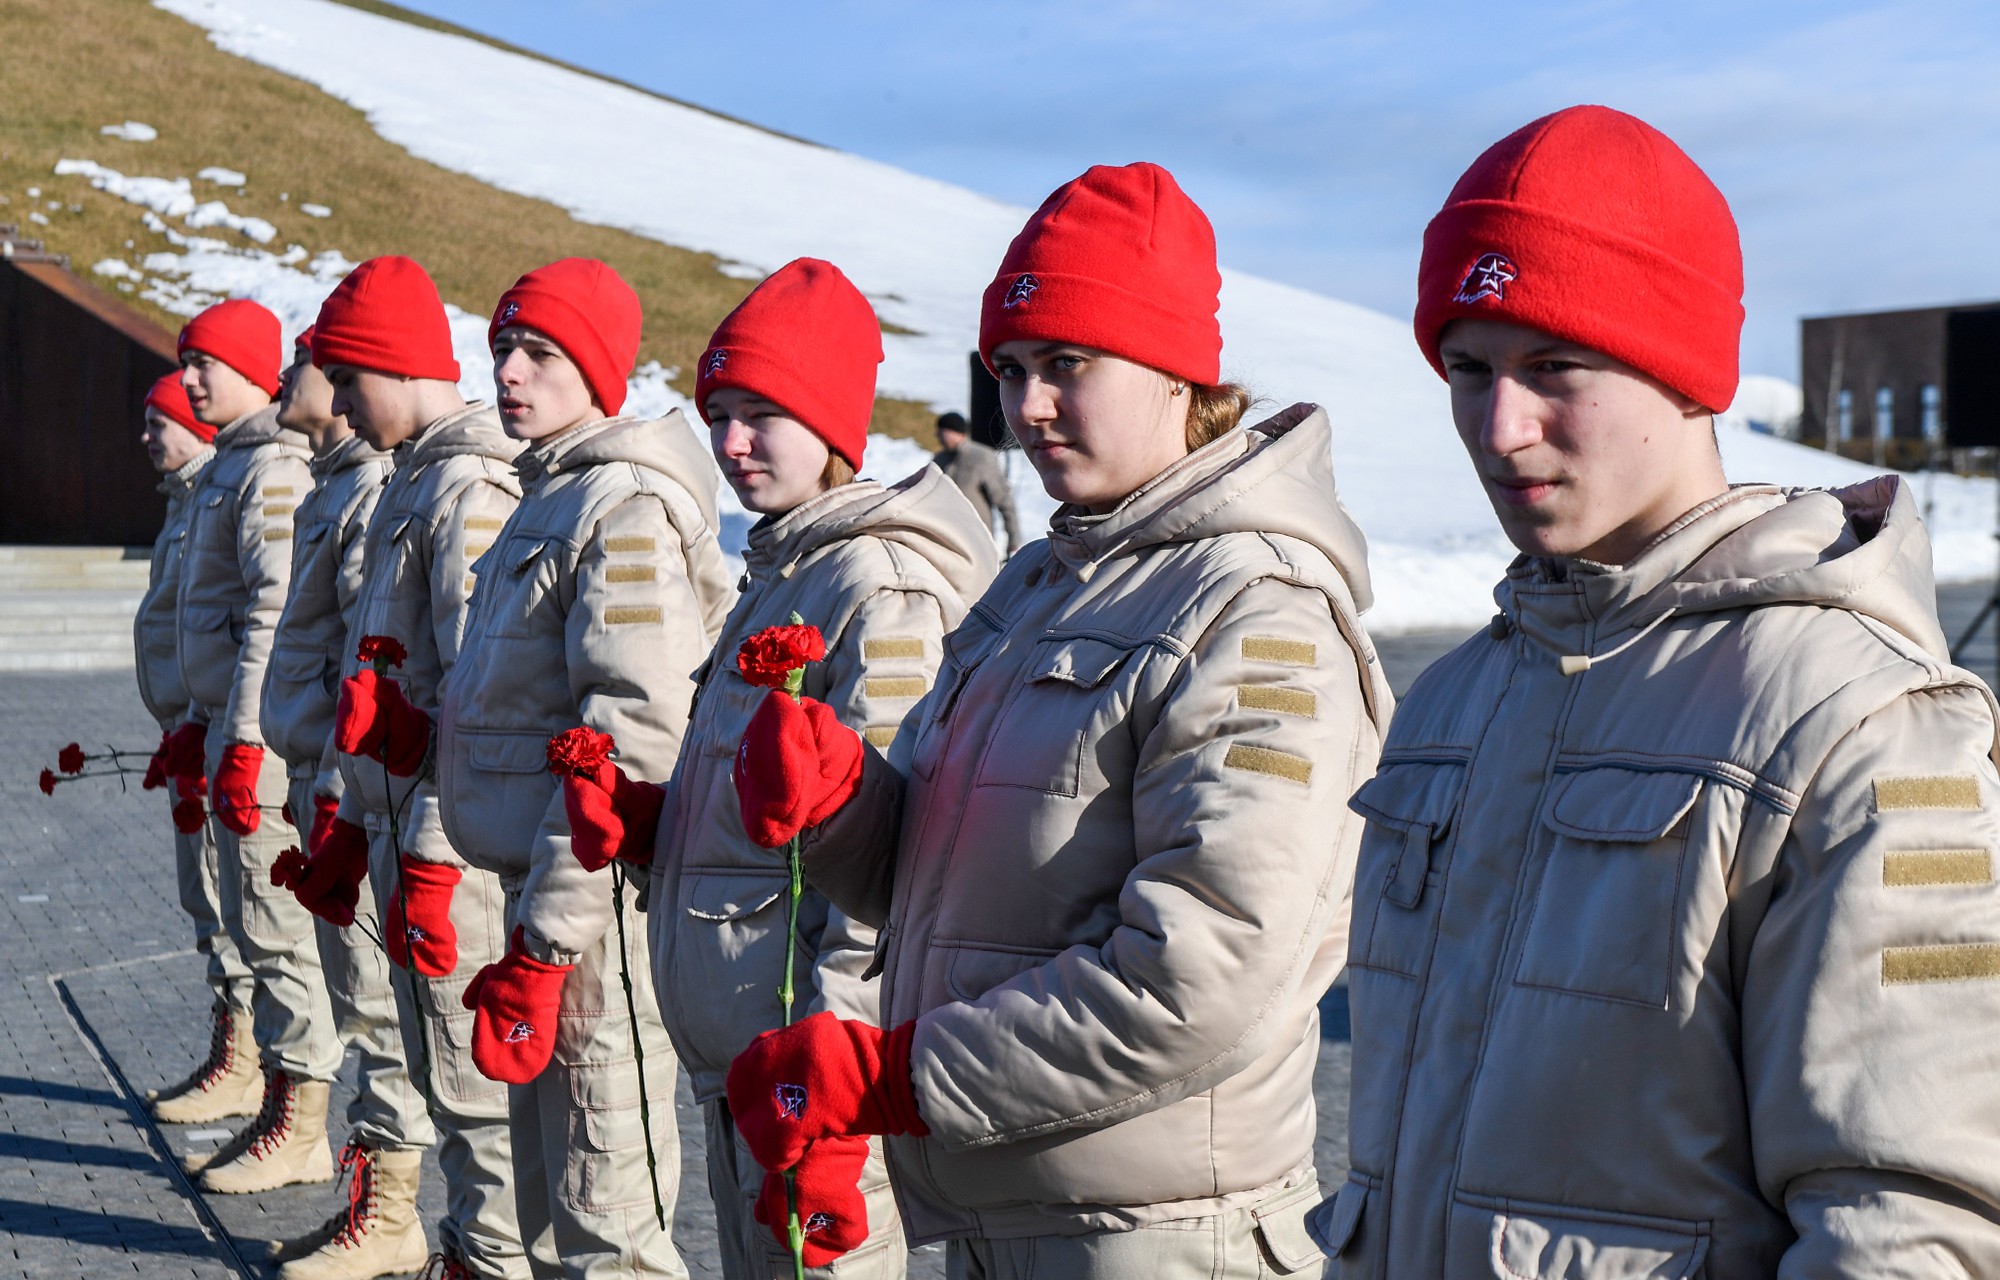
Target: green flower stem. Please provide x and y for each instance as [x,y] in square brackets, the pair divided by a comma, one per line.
[638,1050]
[795,683]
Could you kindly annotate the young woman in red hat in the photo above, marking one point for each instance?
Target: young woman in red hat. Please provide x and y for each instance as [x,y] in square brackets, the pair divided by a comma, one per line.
[1109,852]
[599,595]
[787,386]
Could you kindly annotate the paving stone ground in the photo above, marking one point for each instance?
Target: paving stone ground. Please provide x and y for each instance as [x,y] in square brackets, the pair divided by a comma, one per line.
[101,999]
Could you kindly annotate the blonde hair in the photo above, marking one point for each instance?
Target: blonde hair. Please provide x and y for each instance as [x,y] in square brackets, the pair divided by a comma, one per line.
[1213,412]
[837,472]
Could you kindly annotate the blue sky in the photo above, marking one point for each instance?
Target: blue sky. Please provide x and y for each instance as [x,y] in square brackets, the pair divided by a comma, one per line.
[1859,144]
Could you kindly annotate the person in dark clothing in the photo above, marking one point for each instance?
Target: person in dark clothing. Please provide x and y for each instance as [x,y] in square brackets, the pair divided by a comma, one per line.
[975,468]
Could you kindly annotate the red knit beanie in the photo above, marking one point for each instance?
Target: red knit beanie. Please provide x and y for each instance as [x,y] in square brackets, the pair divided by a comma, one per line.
[1592,225]
[585,308]
[807,341]
[170,399]
[243,335]
[386,316]
[1120,260]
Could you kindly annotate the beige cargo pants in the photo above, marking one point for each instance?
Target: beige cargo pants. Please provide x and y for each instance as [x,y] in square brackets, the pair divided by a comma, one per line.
[480,1226]
[196,868]
[291,1017]
[751,1252]
[579,1145]
[387,1111]
[1263,1240]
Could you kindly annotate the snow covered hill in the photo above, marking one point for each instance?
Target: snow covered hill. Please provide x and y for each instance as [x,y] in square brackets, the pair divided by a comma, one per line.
[922,250]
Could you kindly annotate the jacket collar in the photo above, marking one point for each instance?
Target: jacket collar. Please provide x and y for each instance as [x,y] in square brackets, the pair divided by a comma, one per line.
[474,429]
[351,452]
[259,428]
[182,479]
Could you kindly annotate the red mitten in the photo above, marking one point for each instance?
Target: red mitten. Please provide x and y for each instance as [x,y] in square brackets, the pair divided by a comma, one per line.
[417,928]
[797,765]
[236,787]
[189,815]
[831,1207]
[187,750]
[515,1002]
[156,768]
[330,885]
[822,1077]
[611,816]
[375,718]
[324,807]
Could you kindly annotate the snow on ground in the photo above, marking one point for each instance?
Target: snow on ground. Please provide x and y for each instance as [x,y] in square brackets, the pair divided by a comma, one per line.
[922,251]
[131,131]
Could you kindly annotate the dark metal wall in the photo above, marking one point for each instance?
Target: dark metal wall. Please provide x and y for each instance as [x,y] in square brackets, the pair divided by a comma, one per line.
[1901,350]
[75,365]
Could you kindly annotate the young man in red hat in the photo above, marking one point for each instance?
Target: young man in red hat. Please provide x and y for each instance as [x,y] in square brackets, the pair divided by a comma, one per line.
[384,343]
[229,1083]
[606,590]
[1676,940]
[377,1231]
[234,576]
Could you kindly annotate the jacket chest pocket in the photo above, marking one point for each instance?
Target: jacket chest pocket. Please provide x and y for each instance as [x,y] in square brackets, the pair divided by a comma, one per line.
[214,522]
[964,649]
[1053,717]
[1606,916]
[1411,810]
[517,586]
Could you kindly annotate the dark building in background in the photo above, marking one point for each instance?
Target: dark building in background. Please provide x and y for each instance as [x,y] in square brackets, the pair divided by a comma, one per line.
[1896,386]
[75,365]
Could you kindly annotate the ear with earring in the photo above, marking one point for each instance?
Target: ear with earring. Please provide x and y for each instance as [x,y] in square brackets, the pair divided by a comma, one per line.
[1180,387]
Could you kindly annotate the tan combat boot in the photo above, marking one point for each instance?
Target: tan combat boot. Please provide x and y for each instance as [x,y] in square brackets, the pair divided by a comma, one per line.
[287,1146]
[380,1234]
[228,1084]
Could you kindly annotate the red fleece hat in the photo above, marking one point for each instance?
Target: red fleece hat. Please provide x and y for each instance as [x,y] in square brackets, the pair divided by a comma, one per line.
[170,399]
[243,335]
[1121,260]
[589,311]
[807,341]
[304,342]
[386,316]
[1593,226]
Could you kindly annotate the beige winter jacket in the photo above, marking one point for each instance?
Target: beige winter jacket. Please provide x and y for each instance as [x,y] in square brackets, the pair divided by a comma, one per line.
[302,686]
[1687,964]
[1125,855]
[236,569]
[452,491]
[599,599]
[884,573]
[155,629]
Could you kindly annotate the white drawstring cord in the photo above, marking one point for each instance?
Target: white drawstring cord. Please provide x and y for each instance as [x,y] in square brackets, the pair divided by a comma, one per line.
[1576,664]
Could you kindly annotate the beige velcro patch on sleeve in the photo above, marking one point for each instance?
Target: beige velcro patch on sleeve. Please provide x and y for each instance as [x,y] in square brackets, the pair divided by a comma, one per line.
[279,508]
[484,522]
[631,573]
[1954,962]
[895,687]
[470,583]
[880,735]
[892,647]
[635,543]
[1289,653]
[1279,764]
[277,491]
[1290,702]
[1917,867]
[632,613]
[473,553]
[1939,791]
[278,535]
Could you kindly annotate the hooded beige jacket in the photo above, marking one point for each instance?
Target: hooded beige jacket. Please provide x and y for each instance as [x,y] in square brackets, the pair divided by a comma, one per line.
[155,634]
[452,491]
[884,573]
[1114,857]
[1686,964]
[236,569]
[599,599]
[302,685]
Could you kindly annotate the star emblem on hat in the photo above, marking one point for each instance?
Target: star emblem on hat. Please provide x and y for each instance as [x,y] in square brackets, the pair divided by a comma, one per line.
[1488,278]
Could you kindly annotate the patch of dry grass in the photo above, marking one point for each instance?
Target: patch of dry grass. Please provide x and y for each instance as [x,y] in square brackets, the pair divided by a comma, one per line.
[71,66]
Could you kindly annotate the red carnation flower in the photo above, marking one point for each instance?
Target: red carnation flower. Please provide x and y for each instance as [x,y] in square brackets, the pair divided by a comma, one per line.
[70,759]
[382,651]
[579,752]
[769,658]
[48,782]
[289,871]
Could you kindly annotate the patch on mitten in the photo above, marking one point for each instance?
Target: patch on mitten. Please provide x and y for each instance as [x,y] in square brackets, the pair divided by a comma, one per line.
[819,1222]
[792,1100]
[522,1031]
